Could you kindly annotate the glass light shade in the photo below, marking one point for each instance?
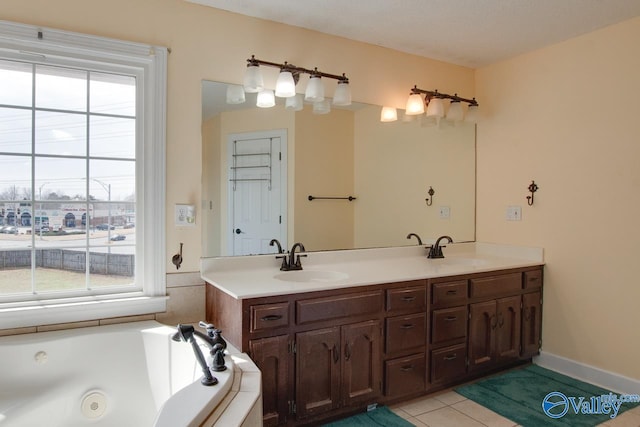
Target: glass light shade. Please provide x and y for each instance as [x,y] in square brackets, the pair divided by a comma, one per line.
[472,114]
[415,105]
[235,94]
[285,86]
[435,108]
[294,102]
[315,90]
[253,81]
[322,107]
[342,95]
[266,99]
[455,112]
[388,114]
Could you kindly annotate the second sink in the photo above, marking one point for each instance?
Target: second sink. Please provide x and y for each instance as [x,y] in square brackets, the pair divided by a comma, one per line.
[322,276]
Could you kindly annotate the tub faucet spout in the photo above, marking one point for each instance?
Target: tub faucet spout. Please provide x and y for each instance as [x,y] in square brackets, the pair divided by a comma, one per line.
[187,333]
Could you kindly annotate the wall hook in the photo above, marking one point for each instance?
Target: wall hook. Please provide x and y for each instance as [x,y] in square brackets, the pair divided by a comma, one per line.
[431,192]
[177,258]
[533,187]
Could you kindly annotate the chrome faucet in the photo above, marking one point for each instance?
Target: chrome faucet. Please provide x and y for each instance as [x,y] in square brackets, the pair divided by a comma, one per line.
[294,261]
[435,251]
[410,235]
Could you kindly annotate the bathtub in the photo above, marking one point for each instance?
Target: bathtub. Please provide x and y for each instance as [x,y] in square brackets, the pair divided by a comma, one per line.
[129,374]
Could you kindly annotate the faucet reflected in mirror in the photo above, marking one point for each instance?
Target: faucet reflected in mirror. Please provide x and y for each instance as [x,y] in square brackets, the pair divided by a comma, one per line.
[410,235]
[346,152]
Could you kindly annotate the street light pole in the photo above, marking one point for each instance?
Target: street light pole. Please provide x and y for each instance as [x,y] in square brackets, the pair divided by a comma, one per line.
[40,197]
[107,187]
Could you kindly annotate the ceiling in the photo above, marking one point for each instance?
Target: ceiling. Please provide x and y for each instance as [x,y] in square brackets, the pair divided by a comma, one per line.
[472,33]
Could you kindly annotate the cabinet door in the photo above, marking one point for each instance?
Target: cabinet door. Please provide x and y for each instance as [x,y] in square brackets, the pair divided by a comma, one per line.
[482,324]
[531,323]
[271,355]
[508,328]
[362,362]
[317,371]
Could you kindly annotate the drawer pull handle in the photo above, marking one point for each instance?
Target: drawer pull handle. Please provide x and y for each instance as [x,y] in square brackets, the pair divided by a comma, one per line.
[408,298]
[452,292]
[336,354]
[450,318]
[271,317]
[453,356]
[407,368]
[407,326]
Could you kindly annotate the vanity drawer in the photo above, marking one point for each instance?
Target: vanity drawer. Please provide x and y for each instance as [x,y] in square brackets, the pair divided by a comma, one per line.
[269,316]
[404,376]
[448,294]
[409,298]
[448,363]
[339,306]
[533,279]
[449,324]
[405,332]
[496,285]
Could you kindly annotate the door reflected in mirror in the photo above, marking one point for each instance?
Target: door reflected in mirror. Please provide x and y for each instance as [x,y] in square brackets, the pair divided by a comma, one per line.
[388,168]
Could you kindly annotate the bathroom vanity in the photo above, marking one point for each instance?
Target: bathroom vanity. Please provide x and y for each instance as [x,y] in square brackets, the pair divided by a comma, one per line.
[361,327]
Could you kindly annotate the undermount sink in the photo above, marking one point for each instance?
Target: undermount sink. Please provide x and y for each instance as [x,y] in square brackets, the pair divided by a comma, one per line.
[469,262]
[321,276]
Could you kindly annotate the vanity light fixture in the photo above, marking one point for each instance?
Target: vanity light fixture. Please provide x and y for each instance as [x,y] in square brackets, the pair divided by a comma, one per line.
[265,99]
[285,86]
[288,78]
[435,105]
[294,102]
[235,94]
[388,114]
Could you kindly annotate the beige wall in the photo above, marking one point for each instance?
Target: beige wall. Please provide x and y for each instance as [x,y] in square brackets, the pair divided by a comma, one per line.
[567,116]
[324,155]
[396,163]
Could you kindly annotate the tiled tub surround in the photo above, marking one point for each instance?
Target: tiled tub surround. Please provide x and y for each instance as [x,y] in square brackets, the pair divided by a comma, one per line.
[256,276]
[124,374]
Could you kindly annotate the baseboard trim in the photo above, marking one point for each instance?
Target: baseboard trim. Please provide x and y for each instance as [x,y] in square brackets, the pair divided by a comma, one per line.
[609,380]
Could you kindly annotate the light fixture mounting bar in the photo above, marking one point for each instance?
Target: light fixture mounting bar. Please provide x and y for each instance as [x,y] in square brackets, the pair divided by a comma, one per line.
[436,94]
[293,68]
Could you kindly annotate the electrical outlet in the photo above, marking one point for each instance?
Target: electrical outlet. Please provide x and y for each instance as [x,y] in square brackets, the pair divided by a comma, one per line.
[185,215]
[445,212]
[514,213]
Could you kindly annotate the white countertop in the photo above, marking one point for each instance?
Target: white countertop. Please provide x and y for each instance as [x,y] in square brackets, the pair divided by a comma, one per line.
[255,276]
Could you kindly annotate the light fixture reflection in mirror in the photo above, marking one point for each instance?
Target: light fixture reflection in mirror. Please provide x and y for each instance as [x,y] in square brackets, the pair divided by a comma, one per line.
[346,152]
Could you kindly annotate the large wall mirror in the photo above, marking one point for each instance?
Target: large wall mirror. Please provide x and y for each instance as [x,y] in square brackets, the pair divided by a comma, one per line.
[260,165]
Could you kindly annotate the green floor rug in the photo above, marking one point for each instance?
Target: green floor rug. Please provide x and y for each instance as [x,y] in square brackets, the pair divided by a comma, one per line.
[519,394]
[380,416]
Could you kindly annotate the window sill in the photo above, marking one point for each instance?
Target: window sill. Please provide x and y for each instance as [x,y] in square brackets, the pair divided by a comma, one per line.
[40,313]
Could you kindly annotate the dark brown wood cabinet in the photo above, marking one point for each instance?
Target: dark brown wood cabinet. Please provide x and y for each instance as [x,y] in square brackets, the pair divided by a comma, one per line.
[531,324]
[327,353]
[337,367]
[271,355]
[494,332]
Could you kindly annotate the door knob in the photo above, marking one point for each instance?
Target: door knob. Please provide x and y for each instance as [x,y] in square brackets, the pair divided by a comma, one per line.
[238,231]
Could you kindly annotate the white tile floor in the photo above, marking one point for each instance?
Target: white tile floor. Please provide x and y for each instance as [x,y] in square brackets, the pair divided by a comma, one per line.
[449,409]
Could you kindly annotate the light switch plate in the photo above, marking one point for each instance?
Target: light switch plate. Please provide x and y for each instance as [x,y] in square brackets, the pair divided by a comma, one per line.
[185,215]
[514,213]
[445,212]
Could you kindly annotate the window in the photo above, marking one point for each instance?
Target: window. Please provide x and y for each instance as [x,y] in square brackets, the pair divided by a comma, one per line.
[81,177]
